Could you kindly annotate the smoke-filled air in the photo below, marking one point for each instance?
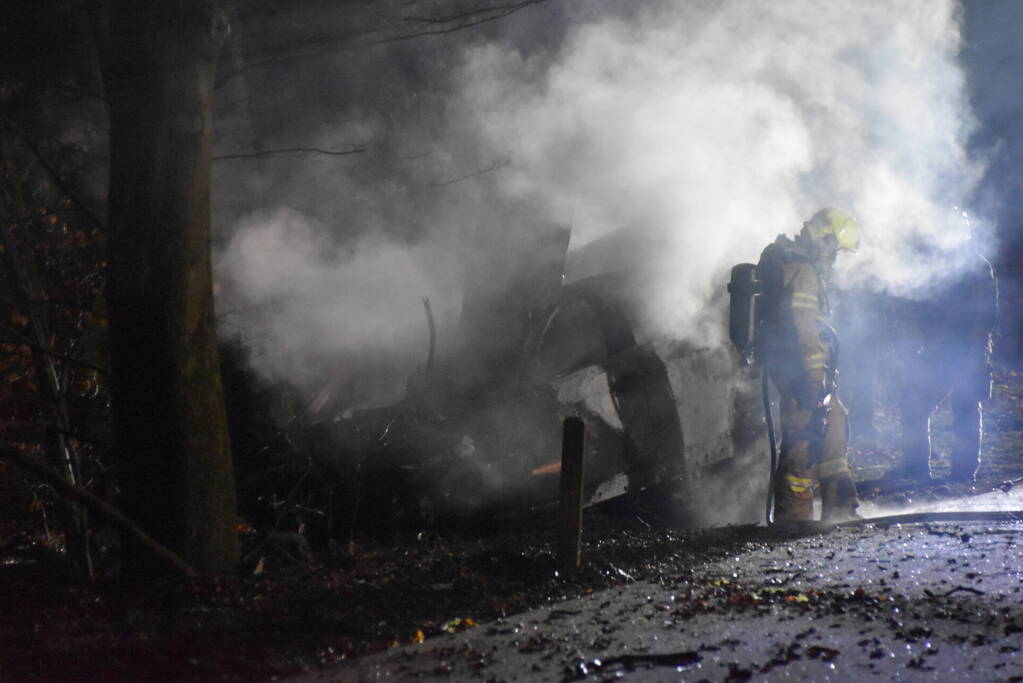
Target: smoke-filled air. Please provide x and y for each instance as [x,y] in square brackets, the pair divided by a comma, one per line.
[364,330]
[700,129]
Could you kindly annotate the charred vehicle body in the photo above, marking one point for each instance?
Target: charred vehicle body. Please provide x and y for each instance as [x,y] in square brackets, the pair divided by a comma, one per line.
[480,432]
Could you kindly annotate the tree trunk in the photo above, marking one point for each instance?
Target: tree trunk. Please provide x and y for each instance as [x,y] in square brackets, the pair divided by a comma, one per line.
[170,423]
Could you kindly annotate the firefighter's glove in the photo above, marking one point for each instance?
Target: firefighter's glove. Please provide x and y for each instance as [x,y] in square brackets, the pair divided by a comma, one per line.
[810,395]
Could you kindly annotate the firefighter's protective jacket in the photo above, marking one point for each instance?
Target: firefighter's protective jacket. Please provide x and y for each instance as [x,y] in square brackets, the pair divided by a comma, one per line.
[795,310]
[946,335]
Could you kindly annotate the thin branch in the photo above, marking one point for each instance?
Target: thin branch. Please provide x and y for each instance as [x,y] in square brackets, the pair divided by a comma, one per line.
[501,10]
[288,505]
[505,11]
[73,355]
[100,507]
[31,219]
[349,41]
[21,338]
[57,178]
[493,167]
[83,93]
[45,425]
[433,333]
[78,95]
[289,150]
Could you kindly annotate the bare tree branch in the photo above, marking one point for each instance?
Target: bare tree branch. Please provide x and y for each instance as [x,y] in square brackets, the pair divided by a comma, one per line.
[79,436]
[360,39]
[289,150]
[103,509]
[67,359]
[493,167]
[498,11]
[58,179]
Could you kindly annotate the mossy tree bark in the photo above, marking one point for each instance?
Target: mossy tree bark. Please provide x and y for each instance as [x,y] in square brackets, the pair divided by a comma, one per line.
[171,428]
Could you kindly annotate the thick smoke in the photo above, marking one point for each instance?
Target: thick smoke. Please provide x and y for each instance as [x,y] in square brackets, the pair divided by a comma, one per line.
[317,299]
[703,129]
[708,128]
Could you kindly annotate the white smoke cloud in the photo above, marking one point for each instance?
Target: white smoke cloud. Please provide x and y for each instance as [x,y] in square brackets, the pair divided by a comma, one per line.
[704,128]
[708,128]
[346,308]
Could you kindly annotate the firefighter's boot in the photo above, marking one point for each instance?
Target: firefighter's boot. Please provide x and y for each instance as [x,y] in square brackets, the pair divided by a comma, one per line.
[793,498]
[793,484]
[915,443]
[967,420]
[838,499]
[838,492]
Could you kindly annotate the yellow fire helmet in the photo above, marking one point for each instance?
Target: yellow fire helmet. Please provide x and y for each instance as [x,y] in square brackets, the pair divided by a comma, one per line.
[835,222]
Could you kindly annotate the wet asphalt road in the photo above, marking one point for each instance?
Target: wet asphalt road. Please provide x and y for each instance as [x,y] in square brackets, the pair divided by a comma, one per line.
[934,601]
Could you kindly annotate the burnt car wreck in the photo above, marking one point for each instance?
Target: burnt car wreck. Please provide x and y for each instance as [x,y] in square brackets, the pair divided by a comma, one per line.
[680,424]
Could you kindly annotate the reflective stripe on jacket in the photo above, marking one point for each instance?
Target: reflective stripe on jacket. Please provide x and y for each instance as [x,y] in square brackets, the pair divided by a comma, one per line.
[795,306]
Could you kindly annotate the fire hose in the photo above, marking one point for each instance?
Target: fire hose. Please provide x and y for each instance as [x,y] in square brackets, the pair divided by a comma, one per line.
[936,516]
[769,506]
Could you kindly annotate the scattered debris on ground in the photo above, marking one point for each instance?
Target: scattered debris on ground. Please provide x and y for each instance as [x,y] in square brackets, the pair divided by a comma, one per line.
[303,609]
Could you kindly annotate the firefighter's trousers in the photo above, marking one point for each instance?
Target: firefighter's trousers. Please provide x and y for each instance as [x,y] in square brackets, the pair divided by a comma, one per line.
[967,428]
[813,449]
[961,380]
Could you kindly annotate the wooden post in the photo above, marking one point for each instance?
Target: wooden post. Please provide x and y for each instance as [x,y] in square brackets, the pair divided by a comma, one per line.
[570,508]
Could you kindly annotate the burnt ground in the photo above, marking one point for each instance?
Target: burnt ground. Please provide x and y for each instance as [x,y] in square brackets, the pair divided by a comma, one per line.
[311,614]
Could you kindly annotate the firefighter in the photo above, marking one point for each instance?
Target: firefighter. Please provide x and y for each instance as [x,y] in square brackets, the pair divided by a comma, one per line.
[942,353]
[798,349]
